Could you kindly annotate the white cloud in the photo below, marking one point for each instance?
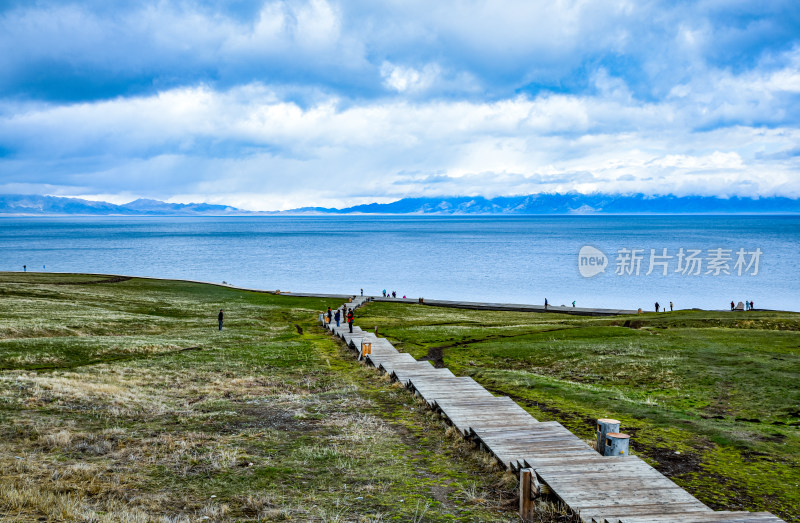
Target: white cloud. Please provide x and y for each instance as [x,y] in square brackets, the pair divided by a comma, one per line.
[333,101]
[404,79]
[251,141]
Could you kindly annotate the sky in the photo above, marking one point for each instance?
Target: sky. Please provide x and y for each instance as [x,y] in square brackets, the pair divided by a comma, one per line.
[268,105]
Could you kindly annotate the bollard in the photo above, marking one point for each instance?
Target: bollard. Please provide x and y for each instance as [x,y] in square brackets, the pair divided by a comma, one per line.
[526,494]
[604,426]
[617,444]
[366,348]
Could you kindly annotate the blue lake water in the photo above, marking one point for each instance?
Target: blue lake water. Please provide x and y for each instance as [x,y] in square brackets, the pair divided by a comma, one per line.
[520,259]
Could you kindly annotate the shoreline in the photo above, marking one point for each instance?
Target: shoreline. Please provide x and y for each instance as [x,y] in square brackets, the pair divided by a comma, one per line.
[455,304]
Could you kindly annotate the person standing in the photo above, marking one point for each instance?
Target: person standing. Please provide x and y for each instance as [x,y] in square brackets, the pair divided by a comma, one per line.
[656,306]
[573,304]
[219,318]
[670,306]
[732,305]
[350,319]
[362,292]
[545,304]
[338,317]
[24,268]
[330,315]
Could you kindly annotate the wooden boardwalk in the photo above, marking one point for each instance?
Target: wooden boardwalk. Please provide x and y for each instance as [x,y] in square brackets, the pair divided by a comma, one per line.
[552,459]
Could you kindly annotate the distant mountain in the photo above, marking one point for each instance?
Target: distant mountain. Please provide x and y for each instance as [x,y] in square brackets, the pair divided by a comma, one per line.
[570,203]
[49,205]
[573,203]
[158,207]
[31,204]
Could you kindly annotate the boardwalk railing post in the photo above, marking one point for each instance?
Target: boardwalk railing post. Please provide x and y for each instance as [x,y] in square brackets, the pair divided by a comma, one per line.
[526,481]
[604,426]
[366,348]
[617,444]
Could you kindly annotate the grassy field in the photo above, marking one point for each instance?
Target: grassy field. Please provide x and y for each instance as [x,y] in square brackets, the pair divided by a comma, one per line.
[711,399]
[121,401]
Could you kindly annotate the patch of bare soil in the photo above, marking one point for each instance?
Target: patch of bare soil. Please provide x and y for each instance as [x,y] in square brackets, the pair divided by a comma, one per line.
[436,356]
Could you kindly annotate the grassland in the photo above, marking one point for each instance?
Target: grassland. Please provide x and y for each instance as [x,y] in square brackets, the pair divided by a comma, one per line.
[711,399]
[121,401]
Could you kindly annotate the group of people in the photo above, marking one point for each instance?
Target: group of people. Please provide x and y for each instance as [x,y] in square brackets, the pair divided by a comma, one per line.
[337,316]
[547,304]
[393,294]
[748,305]
[658,306]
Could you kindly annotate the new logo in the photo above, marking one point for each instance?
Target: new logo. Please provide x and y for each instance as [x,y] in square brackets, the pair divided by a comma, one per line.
[591,261]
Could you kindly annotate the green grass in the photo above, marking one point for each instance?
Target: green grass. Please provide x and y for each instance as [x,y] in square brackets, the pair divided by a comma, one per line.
[719,388]
[121,401]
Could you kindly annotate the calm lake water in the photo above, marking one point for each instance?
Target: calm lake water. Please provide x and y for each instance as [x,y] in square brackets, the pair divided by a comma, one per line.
[521,259]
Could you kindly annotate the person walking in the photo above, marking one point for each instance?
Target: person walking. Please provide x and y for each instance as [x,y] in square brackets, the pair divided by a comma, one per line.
[330,315]
[656,306]
[362,292]
[545,304]
[338,317]
[350,319]
[733,305]
[220,318]
[24,268]
[751,304]
[670,306]
[573,304]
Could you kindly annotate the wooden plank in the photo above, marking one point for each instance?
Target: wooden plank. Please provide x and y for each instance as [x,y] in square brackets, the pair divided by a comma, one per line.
[600,513]
[611,464]
[698,517]
[643,502]
[563,460]
[487,411]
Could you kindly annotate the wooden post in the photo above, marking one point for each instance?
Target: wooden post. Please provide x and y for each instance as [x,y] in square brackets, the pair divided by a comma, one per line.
[617,444]
[604,426]
[526,480]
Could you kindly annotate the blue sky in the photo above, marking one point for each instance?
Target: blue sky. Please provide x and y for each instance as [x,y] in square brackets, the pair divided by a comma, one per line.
[278,104]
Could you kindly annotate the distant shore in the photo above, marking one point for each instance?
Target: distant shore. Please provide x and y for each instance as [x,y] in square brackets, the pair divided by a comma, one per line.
[455,304]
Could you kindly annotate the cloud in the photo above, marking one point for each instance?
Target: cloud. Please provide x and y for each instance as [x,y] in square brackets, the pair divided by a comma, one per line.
[408,79]
[269,104]
[250,140]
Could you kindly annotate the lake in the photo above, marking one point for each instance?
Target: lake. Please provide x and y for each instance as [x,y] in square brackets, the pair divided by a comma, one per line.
[709,260]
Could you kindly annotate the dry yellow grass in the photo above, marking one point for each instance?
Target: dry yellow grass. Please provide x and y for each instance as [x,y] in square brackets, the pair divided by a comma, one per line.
[259,423]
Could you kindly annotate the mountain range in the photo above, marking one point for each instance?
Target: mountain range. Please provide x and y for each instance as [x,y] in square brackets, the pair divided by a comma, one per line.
[569,203]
